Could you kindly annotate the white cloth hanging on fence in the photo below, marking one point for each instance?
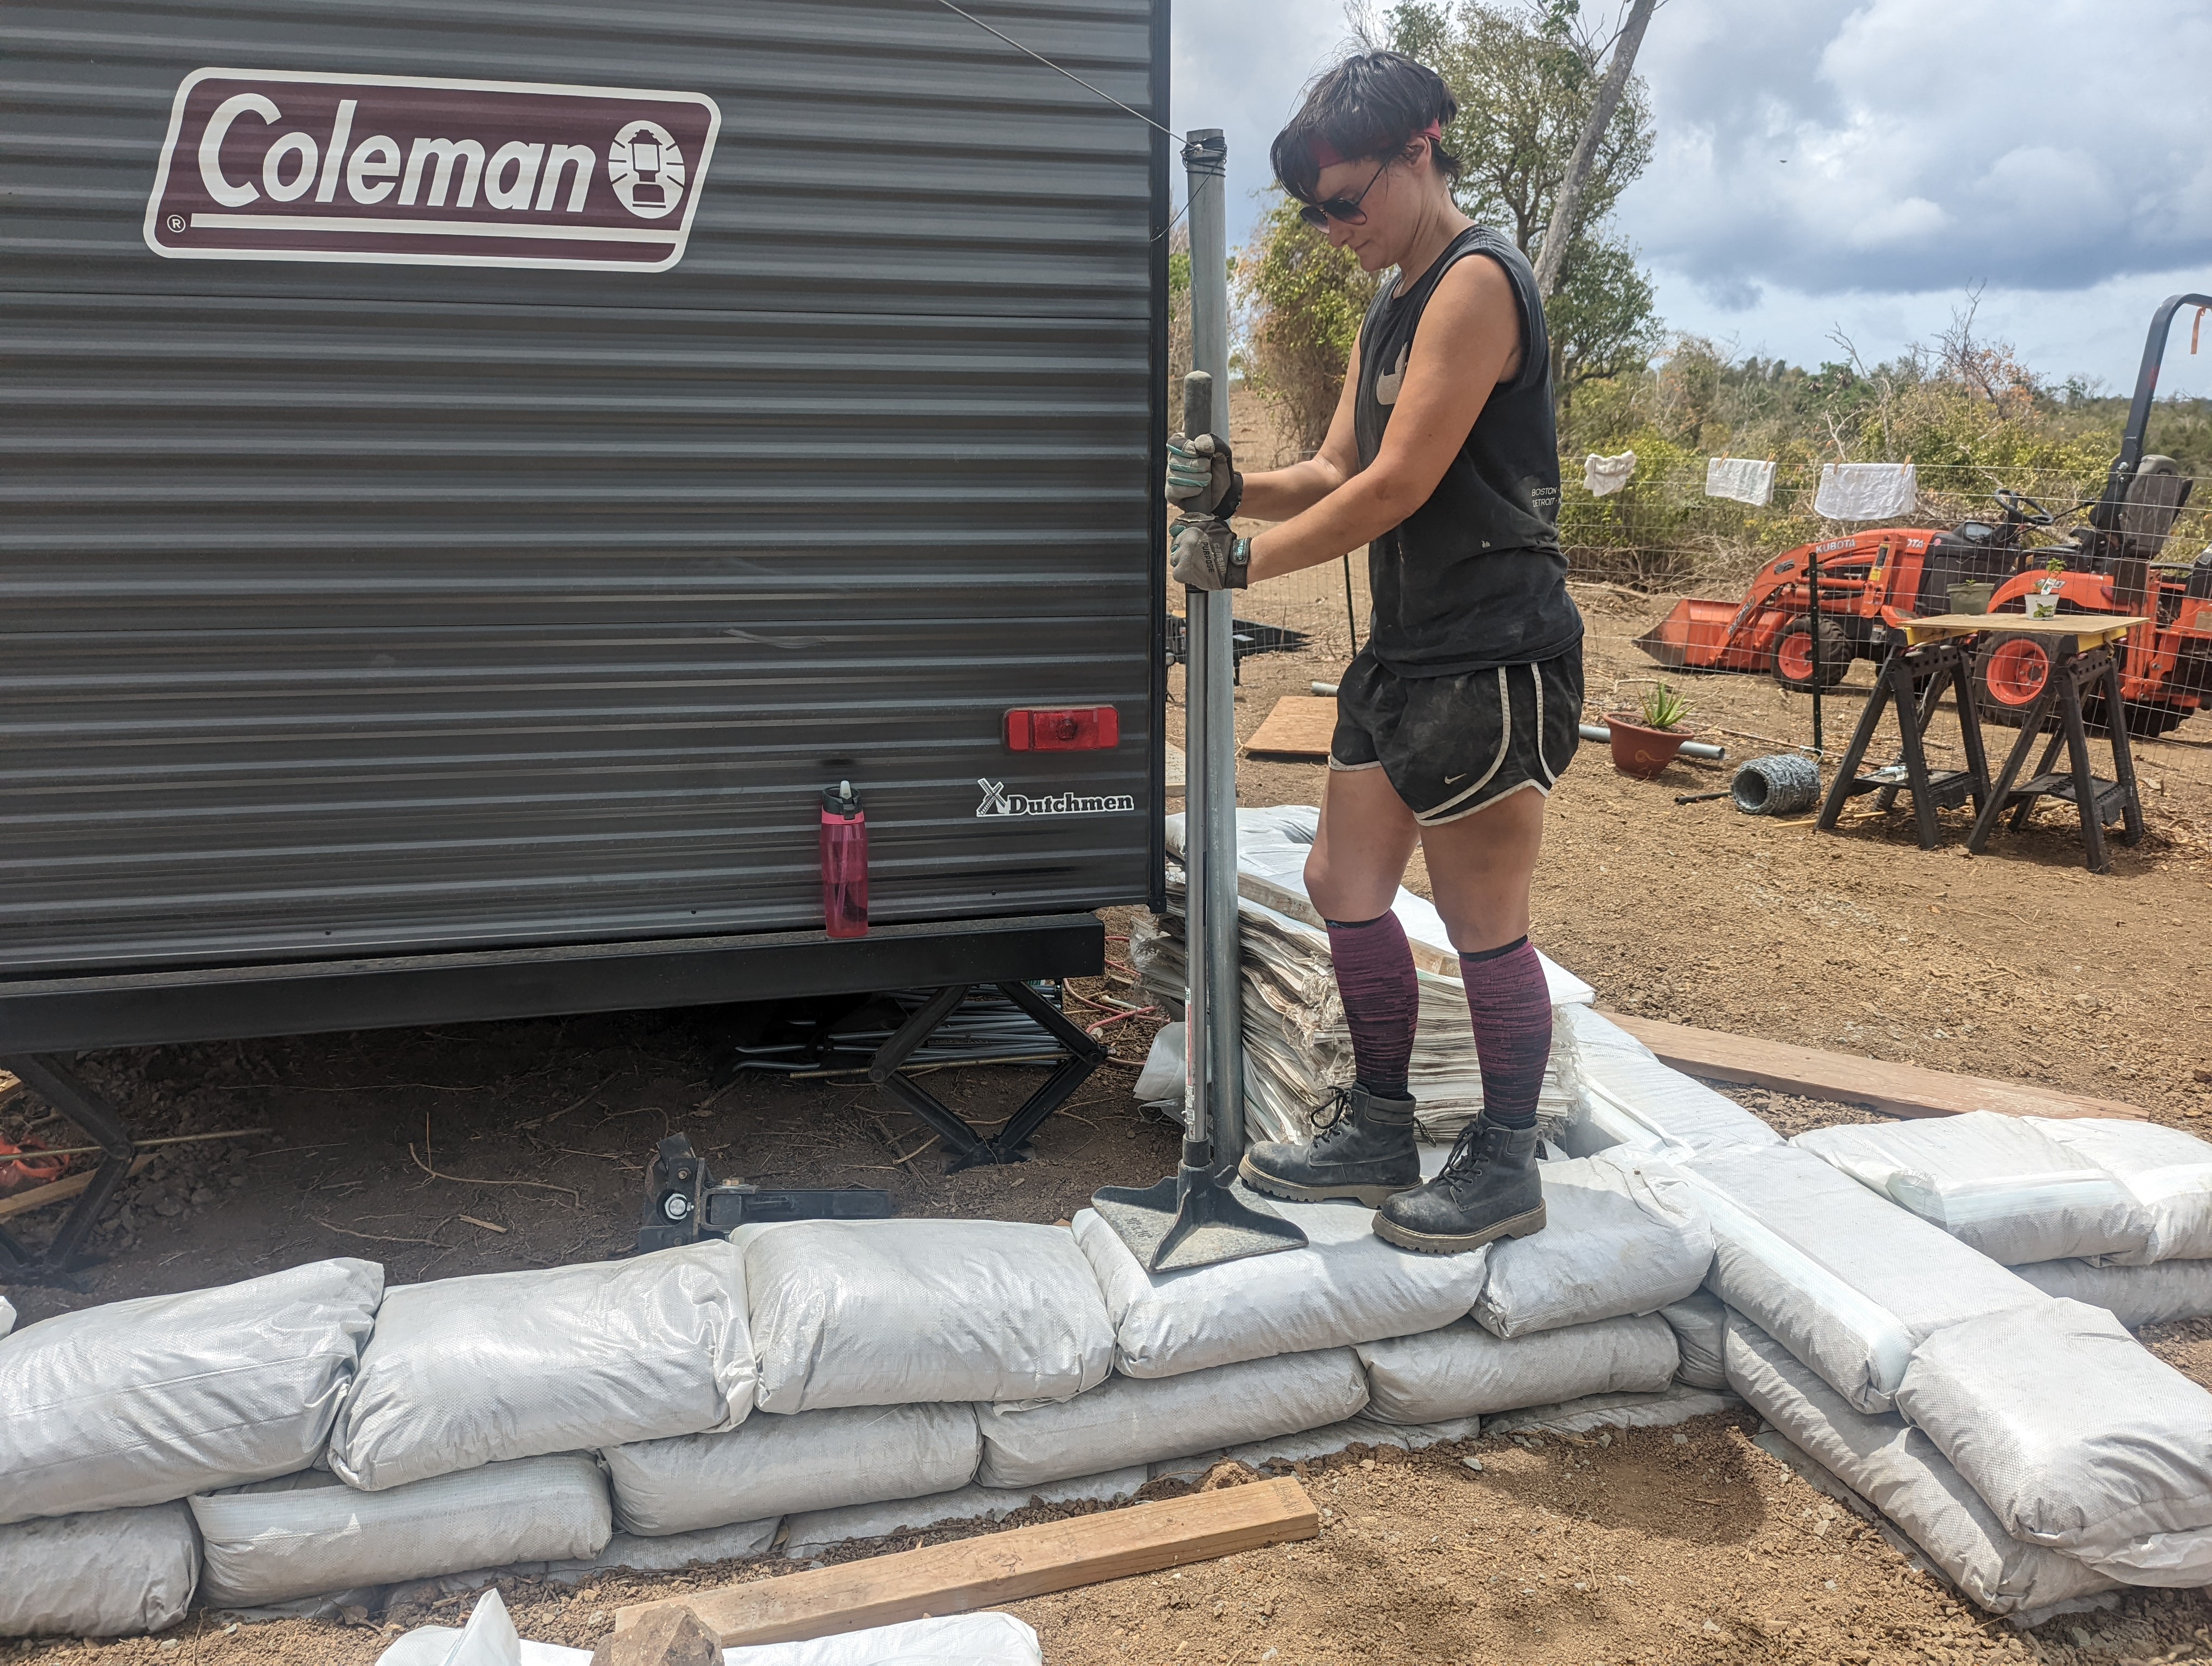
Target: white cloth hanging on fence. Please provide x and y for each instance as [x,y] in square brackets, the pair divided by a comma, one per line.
[1866,491]
[1745,479]
[1605,475]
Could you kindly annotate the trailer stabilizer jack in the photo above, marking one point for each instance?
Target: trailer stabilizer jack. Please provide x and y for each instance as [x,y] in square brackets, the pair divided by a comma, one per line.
[63,1259]
[965,1147]
[683,1203]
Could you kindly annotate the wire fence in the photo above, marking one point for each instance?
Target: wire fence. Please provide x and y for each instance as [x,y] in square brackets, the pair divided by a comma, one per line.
[1660,531]
[1633,553]
[1662,536]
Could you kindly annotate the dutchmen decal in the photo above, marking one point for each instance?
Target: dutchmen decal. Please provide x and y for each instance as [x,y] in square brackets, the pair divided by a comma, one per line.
[998,802]
[277,165]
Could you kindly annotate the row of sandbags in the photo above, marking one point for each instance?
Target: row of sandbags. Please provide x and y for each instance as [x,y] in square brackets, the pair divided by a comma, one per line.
[2116,1213]
[324,1430]
[321,1431]
[2091,1457]
[2031,1190]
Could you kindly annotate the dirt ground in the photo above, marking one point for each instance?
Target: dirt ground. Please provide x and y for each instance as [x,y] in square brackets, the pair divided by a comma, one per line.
[483,1147]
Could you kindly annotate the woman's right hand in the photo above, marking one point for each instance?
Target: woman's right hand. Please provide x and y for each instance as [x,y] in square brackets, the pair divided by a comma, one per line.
[1200,480]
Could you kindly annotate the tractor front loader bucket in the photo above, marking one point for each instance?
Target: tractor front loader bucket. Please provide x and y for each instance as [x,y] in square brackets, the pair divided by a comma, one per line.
[1694,635]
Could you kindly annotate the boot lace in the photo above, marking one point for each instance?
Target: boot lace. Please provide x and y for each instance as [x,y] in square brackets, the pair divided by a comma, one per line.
[1470,1156]
[1330,1117]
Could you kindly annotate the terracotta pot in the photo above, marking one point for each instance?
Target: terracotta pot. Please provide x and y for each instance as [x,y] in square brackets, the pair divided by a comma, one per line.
[1642,752]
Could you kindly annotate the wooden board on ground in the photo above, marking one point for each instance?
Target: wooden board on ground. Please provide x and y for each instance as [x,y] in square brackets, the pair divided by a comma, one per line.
[1000,1567]
[1177,768]
[1300,726]
[59,1191]
[1894,1090]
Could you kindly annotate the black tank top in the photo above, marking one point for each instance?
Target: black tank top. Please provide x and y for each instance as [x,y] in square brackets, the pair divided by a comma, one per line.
[1474,578]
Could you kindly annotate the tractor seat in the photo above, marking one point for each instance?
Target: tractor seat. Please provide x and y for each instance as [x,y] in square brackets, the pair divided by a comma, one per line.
[2155,495]
[1960,558]
[2199,588]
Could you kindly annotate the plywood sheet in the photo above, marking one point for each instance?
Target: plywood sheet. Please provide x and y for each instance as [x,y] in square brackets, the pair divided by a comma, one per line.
[1300,726]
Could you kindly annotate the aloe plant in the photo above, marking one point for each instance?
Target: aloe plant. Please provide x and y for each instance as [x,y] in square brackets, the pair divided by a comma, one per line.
[1664,709]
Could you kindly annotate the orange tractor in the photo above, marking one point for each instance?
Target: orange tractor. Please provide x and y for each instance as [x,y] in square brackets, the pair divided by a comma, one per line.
[1871,583]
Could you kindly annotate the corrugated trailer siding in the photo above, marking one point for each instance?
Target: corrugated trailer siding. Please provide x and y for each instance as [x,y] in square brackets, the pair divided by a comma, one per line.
[354,607]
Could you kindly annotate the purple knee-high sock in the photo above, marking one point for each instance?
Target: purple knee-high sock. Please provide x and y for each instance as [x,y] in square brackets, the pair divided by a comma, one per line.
[1381,998]
[1510,1007]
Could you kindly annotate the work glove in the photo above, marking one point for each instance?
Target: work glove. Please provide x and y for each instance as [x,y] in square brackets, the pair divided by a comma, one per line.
[1200,481]
[1207,556]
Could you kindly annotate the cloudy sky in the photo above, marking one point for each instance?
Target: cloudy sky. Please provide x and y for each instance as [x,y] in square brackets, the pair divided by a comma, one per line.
[1862,164]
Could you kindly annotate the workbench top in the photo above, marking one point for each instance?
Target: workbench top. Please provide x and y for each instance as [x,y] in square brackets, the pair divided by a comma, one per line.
[2088,629]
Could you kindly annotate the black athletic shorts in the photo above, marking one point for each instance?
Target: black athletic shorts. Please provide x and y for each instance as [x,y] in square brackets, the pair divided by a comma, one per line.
[1452,745]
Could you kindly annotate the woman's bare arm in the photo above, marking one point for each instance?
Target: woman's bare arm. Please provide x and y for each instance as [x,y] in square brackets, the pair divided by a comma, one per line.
[1280,494]
[1469,340]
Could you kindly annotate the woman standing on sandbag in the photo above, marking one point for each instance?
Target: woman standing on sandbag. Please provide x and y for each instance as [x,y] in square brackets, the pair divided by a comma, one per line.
[1457,718]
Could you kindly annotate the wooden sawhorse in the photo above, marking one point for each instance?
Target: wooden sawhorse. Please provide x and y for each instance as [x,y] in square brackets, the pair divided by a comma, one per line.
[2081,655]
[1913,677]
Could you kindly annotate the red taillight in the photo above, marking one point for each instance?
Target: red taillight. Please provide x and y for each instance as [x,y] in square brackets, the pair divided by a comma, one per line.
[1063,729]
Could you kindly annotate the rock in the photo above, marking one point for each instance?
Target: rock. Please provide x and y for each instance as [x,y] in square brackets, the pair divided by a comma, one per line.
[1474,1463]
[167,1208]
[666,1637]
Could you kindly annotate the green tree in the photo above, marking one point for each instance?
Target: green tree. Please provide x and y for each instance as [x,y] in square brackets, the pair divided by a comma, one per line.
[1602,321]
[1527,77]
[1302,302]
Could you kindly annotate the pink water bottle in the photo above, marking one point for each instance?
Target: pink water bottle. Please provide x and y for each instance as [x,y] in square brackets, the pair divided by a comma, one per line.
[844,863]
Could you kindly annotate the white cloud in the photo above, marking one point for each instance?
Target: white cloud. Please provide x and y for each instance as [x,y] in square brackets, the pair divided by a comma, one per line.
[1838,146]
[1859,162]
[1240,66]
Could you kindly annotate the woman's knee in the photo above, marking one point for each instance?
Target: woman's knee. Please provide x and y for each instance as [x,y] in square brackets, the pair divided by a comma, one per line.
[1346,895]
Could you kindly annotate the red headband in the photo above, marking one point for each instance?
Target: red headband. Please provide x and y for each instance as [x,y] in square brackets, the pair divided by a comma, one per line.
[1324,154]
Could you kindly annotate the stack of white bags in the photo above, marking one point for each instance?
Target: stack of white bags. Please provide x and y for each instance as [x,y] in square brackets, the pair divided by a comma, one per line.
[311,1433]
[1298,1047]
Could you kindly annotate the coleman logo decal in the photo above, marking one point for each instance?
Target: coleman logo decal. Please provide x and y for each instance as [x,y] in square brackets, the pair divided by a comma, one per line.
[998,802]
[276,165]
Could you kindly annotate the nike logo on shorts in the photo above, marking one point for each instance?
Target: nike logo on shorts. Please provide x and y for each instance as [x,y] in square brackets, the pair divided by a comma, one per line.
[1453,780]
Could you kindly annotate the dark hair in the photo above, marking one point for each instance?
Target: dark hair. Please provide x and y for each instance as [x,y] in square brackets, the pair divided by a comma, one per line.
[1367,106]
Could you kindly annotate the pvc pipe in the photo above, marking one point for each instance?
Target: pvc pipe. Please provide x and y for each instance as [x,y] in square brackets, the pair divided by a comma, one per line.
[1704,749]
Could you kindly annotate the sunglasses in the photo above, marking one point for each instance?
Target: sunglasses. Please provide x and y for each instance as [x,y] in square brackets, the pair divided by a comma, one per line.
[1344,211]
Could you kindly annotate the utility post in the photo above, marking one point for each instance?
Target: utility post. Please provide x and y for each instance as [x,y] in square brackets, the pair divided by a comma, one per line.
[1210,701]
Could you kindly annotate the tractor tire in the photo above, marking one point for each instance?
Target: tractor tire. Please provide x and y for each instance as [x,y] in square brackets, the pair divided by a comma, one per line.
[1793,654]
[2009,671]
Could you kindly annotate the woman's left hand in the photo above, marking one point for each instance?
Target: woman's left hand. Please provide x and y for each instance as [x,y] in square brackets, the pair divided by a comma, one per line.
[1208,555]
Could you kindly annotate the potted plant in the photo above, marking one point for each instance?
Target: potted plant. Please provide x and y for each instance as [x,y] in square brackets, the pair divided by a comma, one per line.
[2043,603]
[1644,743]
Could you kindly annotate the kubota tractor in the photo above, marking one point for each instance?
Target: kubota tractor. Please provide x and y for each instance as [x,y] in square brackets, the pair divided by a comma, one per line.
[1872,583]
